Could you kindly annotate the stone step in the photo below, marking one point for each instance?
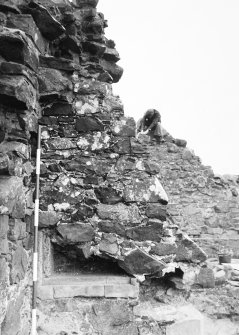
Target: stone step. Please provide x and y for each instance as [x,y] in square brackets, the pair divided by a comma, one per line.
[69,279]
[68,286]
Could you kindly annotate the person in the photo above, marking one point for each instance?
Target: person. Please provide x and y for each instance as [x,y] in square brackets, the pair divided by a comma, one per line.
[150,124]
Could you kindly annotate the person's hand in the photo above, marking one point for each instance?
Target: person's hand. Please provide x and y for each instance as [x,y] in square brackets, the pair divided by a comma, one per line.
[144,132]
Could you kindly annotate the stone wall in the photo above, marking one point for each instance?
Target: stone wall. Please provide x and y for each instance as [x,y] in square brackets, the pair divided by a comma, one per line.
[103,193]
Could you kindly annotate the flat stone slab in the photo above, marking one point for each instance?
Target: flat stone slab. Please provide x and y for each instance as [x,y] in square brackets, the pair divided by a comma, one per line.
[69,286]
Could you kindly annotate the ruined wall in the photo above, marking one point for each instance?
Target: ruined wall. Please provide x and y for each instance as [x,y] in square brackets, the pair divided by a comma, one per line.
[103,193]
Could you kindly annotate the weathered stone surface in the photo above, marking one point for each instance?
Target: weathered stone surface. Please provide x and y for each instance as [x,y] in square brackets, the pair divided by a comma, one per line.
[84,212]
[17,92]
[48,218]
[119,213]
[23,52]
[186,327]
[121,291]
[12,196]
[10,68]
[86,124]
[114,70]
[109,244]
[19,265]
[206,278]
[47,24]
[188,250]
[52,81]
[124,127]
[22,150]
[151,232]
[76,233]
[156,211]
[26,23]
[111,55]
[72,43]
[58,63]
[113,318]
[138,262]
[96,49]
[85,3]
[147,190]
[17,230]
[9,6]
[60,108]
[70,291]
[180,143]
[4,225]
[12,323]
[108,195]
[60,144]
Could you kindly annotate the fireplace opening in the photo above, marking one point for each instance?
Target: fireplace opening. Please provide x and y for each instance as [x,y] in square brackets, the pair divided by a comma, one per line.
[68,271]
[69,261]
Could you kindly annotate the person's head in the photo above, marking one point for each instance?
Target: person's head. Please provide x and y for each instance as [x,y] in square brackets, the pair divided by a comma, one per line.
[150,113]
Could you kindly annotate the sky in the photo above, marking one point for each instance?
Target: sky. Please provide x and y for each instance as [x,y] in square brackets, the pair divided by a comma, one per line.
[181,57]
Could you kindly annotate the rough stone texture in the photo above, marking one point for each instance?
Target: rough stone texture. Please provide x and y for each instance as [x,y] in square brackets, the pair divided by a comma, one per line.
[152,209]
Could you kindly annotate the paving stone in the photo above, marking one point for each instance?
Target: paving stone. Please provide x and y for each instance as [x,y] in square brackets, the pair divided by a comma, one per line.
[187,327]
[121,291]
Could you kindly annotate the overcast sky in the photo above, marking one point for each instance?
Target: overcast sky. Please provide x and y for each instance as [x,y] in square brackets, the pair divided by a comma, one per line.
[182,58]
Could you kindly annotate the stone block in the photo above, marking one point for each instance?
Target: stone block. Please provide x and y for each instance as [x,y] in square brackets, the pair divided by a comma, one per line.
[48,218]
[185,327]
[85,3]
[152,232]
[26,23]
[12,196]
[124,127]
[147,189]
[24,50]
[17,91]
[76,232]
[86,124]
[4,225]
[21,149]
[139,262]
[17,230]
[111,55]
[98,141]
[122,145]
[8,6]
[19,265]
[47,24]
[121,291]
[113,69]
[156,211]
[206,278]
[45,292]
[120,213]
[70,291]
[52,81]
[16,69]
[108,195]
[59,63]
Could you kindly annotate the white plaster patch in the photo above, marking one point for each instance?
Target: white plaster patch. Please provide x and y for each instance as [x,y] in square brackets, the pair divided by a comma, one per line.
[82,142]
[61,207]
[158,189]
[140,166]
[117,129]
